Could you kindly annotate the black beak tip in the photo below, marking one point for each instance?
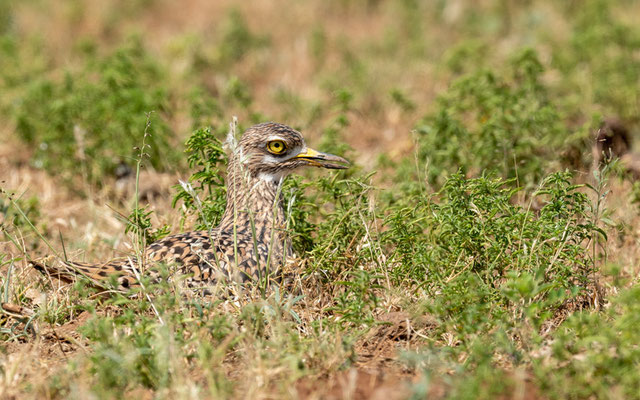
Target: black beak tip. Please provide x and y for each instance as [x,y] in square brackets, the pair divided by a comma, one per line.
[337,164]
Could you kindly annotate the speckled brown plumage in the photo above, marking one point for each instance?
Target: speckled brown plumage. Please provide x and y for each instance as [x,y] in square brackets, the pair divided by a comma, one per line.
[251,240]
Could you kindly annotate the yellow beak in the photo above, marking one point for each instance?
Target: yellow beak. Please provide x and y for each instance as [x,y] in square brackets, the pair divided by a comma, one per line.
[323,160]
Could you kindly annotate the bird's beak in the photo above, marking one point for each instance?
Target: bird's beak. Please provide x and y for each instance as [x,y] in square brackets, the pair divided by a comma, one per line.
[323,160]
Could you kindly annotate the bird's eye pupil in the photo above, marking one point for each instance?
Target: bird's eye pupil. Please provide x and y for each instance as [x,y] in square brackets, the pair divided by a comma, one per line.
[276,147]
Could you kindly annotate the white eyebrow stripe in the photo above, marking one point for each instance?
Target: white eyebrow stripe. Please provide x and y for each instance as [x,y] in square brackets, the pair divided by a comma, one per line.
[275,137]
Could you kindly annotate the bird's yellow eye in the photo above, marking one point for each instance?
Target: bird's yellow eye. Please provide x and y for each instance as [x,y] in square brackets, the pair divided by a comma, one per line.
[276,146]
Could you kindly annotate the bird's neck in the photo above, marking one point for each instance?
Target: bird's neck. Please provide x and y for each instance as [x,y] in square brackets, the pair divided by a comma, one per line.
[253,202]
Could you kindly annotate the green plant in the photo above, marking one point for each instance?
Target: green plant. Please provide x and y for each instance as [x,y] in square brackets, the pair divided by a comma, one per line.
[357,300]
[148,343]
[6,17]
[139,221]
[495,121]
[596,352]
[12,218]
[603,46]
[237,40]
[91,117]
[480,255]
[204,193]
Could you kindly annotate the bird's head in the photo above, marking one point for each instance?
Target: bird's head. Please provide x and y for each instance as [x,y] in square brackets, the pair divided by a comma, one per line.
[272,151]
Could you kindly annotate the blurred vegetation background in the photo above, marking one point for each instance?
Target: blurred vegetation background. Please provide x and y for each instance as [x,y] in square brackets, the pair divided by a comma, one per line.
[522,78]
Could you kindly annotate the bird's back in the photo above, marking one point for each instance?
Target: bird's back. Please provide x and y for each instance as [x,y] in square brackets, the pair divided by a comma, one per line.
[202,257]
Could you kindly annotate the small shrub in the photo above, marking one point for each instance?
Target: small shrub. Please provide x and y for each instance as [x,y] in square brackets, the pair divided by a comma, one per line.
[205,194]
[6,17]
[237,40]
[500,121]
[93,118]
[479,255]
[357,300]
[596,351]
[603,50]
[151,340]
[342,243]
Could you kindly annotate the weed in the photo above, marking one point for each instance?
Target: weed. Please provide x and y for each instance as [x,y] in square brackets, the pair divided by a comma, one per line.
[479,255]
[139,220]
[90,117]
[205,153]
[605,46]
[237,40]
[595,351]
[12,218]
[490,121]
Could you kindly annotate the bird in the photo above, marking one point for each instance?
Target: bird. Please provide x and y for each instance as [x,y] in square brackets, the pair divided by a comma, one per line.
[251,241]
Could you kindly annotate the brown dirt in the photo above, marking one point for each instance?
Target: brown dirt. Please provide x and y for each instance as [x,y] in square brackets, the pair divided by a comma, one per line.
[54,343]
[355,384]
[36,360]
[376,373]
